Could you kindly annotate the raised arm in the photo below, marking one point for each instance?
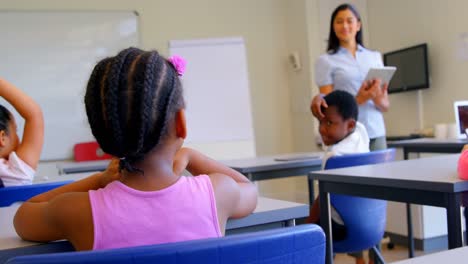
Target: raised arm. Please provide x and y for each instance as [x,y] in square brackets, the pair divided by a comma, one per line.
[30,147]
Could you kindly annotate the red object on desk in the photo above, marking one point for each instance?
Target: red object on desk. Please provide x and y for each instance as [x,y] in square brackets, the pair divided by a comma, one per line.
[87,151]
[463,166]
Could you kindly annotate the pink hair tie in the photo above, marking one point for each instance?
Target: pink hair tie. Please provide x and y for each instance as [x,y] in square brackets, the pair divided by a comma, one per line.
[178,63]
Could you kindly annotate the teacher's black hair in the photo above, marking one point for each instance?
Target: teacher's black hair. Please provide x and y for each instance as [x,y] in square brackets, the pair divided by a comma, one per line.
[333,41]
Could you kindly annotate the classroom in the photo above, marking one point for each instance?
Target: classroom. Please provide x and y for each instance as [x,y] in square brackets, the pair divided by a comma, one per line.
[282,40]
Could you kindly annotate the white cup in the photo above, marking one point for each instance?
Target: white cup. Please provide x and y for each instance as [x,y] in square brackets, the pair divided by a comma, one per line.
[452,132]
[440,131]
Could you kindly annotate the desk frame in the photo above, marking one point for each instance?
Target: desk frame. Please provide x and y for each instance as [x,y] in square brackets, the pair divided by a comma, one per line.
[424,145]
[255,169]
[450,201]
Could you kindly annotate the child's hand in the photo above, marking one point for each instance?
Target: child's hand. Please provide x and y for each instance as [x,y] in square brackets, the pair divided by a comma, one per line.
[181,161]
[111,173]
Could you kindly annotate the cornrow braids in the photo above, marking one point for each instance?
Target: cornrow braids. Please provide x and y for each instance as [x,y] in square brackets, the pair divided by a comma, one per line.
[130,100]
[93,101]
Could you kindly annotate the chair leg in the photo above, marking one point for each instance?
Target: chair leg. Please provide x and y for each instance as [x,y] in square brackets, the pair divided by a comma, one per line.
[378,258]
[465,212]
[410,231]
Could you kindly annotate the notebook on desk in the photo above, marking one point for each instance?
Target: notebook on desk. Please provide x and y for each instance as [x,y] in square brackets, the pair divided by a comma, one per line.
[303,156]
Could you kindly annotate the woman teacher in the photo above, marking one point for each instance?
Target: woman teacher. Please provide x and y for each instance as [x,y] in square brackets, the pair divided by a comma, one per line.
[344,67]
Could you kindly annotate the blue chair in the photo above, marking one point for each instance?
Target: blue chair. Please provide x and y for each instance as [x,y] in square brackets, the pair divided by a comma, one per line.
[12,194]
[298,244]
[364,218]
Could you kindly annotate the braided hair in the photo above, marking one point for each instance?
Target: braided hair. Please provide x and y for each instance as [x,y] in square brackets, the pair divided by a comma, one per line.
[131,99]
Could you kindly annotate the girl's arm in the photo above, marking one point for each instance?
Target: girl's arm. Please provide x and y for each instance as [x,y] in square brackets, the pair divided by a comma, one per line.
[93,182]
[236,193]
[30,147]
[197,163]
[55,214]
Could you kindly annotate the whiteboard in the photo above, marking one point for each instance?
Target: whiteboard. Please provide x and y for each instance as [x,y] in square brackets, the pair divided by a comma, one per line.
[216,90]
[50,56]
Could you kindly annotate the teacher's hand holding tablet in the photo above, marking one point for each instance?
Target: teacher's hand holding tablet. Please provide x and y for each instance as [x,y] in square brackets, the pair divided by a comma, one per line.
[376,91]
[369,90]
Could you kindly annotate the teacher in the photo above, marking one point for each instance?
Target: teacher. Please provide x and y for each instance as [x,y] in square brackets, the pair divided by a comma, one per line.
[344,67]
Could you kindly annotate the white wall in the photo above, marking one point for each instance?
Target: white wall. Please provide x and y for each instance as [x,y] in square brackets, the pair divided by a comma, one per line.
[400,23]
[260,22]
[265,26]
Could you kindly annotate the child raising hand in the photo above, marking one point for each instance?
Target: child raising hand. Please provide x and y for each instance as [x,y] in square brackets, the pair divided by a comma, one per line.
[19,158]
[135,109]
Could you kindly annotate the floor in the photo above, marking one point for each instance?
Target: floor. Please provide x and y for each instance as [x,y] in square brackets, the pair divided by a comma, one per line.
[390,255]
[296,191]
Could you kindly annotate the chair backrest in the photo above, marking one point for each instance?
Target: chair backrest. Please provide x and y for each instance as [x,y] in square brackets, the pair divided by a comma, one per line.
[364,218]
[298,244]
[12,194]
[87,151]
[350,160]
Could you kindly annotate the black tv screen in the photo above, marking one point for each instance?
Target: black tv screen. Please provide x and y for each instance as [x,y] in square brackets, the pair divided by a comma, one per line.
[412,68]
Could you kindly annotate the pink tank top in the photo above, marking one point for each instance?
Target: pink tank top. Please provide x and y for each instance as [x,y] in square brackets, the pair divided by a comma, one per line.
[125,217]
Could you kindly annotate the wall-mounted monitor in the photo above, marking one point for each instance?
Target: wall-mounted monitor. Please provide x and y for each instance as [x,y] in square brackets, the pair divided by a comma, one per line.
[412,68]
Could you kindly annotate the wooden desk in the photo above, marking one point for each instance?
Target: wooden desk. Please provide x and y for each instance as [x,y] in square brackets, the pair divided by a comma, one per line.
[270,213]
[428,145]
[256,169]
[68,167]
[453,256]
[424,145]
[270,167]
[427,181]
[63,177]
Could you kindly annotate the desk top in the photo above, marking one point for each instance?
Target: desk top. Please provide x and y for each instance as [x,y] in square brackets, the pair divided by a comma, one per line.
[267,211]
[276,162]
[453,256]
[427,142]
[84,166]
[63,177]
[248,165]
[437,173]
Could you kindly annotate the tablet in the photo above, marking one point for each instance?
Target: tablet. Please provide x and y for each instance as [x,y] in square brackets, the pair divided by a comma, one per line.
[385,74]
